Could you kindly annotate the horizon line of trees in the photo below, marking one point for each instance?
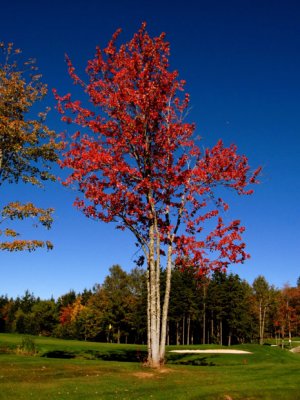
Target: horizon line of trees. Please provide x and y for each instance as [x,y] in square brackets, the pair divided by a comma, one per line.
[221,309]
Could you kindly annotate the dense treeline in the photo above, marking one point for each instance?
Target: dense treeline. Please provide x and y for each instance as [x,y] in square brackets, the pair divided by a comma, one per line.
[221,309]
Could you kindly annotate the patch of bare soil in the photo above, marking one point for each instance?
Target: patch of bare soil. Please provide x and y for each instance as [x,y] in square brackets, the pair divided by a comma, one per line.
[143,375]
[165,370]
[148,375]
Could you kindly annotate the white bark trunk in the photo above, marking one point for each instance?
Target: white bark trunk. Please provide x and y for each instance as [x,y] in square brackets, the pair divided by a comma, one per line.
[157,316]
[148,317]
[166,305]
[153,357]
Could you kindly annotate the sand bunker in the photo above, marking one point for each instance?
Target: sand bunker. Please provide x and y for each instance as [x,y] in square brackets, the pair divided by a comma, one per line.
[295,350]
[211,351]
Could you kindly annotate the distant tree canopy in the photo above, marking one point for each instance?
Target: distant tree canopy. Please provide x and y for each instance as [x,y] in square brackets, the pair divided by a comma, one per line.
[221,309]
[27,145]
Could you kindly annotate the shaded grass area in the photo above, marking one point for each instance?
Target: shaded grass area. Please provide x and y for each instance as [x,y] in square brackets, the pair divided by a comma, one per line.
[69,349]
[268,373]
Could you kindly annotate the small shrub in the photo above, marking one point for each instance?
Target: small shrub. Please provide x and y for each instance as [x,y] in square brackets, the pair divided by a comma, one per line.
[27,347]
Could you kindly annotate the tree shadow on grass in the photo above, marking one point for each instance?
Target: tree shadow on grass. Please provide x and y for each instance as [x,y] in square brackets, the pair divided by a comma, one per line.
[183,359]
[129,356]
[117,355]
[59,354]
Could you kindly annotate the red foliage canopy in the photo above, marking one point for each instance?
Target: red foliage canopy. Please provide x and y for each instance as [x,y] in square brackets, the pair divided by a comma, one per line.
[136,162]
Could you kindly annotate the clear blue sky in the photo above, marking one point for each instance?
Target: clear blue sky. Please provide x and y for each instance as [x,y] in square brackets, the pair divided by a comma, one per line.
[241,61]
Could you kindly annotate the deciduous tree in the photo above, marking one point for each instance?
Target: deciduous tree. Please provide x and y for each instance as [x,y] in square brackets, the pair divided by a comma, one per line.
[27,146]
[289,308]
[136,163]
[262,301]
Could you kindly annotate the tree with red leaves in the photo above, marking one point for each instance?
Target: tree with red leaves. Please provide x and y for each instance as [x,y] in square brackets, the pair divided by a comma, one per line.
[288,311]
[136,164]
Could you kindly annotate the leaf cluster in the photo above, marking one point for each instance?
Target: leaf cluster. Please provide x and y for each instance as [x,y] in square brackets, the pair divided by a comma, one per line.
[27,145]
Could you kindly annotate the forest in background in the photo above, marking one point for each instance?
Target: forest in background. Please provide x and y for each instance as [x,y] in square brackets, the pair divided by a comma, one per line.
[221,309]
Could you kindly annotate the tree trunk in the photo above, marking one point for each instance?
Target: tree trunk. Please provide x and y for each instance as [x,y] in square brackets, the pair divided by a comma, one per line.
[221,333]
[119,335]
[204,316]
[157,324]
[229,339]
[211,329]
[153,359]
[177,333]
[148,317]
[289,323]
[168,333]
[261,340]
[188,330]
[166,305]
[153,337]
[183,330]
[157,317]
[263,325]
[262,321]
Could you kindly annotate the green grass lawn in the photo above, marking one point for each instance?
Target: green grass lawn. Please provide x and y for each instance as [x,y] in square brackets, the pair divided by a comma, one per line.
[100,371]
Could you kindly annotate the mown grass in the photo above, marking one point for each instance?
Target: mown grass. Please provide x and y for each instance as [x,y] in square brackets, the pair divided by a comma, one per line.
[267,373]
